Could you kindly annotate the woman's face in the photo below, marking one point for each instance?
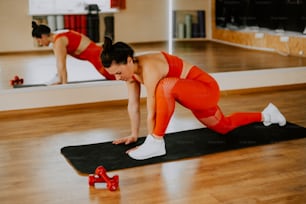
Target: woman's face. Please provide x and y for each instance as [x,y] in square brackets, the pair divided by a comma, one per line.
[122,72]
[44,40]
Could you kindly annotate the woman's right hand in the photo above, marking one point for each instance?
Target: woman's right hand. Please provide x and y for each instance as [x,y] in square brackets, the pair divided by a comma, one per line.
[125,140]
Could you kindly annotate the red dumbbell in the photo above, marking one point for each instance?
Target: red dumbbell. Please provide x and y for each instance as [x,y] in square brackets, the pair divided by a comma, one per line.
[16,81]
[100,176]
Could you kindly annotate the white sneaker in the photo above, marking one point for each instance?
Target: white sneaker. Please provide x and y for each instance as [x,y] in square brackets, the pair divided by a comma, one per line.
[53,80]
[272,115]
[151,147]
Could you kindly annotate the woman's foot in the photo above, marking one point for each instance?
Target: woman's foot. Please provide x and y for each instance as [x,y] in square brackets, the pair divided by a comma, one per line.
[152,147]
[55,79]
[272,115]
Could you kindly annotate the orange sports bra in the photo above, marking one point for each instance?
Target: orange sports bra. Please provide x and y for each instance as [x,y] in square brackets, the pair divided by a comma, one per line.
[175,65]
[74,40]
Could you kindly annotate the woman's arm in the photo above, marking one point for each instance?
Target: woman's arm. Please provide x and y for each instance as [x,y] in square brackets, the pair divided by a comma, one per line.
[134,107]
[60,53]
[134,113]
[151,80]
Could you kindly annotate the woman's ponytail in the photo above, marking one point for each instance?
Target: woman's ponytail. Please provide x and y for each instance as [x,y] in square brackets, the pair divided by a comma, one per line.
[34,25]
[118,52]
[106,55]
[107,44]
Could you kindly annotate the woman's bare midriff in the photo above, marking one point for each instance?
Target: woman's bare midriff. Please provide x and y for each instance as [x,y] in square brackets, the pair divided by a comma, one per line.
[85,41]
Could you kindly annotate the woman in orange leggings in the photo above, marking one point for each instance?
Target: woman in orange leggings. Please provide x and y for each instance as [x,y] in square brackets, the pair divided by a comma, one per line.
[72,43]
[169,79]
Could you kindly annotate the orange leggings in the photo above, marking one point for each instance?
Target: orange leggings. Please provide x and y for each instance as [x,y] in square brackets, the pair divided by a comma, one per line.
[92,54]
[200,93]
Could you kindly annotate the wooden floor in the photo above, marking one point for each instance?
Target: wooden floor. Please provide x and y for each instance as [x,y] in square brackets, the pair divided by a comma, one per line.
[32,170]
[217,57]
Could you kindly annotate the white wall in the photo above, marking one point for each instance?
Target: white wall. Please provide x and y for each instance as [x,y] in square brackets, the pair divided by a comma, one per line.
[142,21]
[147,20]
[15,26]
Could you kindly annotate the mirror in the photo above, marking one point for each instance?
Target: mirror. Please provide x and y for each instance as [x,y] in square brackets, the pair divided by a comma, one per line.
[39,66]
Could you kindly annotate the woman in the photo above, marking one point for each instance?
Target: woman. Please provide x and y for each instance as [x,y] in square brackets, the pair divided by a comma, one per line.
[71,43]
[169,79]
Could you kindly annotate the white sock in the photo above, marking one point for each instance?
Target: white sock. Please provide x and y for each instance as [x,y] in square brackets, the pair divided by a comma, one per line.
[151,147]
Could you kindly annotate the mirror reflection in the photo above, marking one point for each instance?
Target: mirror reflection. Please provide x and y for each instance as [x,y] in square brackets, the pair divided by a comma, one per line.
[196,38]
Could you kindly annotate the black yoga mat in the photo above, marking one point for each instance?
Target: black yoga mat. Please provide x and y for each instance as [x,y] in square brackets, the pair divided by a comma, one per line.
[70,82]
[179,145]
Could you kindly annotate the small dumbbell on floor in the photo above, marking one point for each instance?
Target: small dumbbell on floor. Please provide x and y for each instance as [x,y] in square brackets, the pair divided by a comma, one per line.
[100,176]
[16,81]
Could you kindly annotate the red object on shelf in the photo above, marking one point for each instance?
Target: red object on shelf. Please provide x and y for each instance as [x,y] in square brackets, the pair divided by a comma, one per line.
[66,22]
[120,4]
[78,23]
[100,176]
[73,22]
[84,24]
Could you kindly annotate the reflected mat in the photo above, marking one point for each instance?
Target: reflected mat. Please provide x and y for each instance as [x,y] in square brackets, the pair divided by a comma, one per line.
[179,145]
[70,82]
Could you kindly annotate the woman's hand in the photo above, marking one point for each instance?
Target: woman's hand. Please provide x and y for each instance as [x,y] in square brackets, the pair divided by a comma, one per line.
[125,140]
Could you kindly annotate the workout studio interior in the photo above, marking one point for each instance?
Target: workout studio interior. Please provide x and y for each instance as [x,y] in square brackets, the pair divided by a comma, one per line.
[61,113]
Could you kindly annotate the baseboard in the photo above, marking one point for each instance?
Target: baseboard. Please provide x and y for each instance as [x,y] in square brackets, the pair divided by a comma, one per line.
[264,89]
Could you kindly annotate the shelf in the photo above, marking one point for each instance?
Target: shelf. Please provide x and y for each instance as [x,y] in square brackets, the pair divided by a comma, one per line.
[67,7]
[72,13]
[188,39]
[189,24]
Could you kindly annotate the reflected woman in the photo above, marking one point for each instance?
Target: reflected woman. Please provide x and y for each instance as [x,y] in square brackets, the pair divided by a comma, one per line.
[69,42]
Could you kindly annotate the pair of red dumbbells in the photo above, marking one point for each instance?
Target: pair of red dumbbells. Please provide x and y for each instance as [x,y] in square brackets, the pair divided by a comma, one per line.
[100,176]
[16,81]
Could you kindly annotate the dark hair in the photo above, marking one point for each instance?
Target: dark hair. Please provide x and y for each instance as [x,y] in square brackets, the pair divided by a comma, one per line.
[38,30]
[118,52]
